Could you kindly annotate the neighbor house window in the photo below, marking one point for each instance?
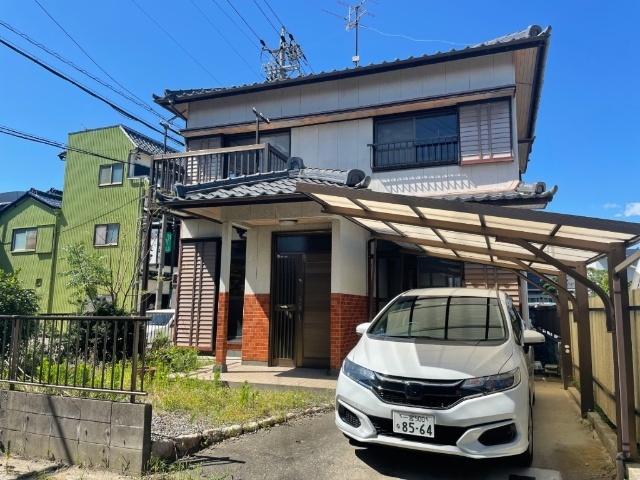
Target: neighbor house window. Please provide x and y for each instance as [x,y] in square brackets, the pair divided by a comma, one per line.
[426,139]
[24,239]
[106,234]
[111,174]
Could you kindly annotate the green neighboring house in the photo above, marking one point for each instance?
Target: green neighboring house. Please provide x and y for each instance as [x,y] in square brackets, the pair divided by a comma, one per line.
[103,207]
[28,226]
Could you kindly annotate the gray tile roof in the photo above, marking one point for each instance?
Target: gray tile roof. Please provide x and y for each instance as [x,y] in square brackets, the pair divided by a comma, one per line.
[507,195]
[146,144]
[52,198]
[531,32]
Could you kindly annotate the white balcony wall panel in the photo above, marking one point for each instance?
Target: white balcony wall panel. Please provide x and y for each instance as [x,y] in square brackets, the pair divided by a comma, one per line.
[447,180]
[434,80]
[419,82]
[200,229]
[458,76]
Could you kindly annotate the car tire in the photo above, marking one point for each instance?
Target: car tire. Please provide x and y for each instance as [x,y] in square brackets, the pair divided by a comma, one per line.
[525,458]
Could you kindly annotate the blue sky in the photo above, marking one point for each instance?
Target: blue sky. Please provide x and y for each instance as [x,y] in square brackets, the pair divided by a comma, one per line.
[587,129]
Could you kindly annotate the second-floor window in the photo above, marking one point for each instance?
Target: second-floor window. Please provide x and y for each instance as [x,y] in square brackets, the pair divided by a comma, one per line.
[418,140]
[111,174]
[106,235]
[24,239]
[469,133]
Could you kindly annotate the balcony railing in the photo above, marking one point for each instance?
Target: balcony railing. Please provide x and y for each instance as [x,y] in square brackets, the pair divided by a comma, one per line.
[202,166]
[415,152]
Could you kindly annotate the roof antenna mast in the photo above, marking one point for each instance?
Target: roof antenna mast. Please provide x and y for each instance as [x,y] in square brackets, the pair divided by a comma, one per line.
[355,13]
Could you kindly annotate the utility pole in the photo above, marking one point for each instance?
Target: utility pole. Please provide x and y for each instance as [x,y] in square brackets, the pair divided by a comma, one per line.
[283,61]
[353,17]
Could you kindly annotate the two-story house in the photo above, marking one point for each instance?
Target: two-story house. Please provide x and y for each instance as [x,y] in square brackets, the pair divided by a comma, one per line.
[263,268]
[105,185]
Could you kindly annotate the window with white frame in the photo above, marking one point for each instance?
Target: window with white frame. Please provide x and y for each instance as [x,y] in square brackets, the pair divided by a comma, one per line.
[24,239]
[106,235]
[111,174]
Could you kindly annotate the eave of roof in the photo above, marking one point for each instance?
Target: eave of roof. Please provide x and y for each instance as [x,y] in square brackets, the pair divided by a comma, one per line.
[530,38]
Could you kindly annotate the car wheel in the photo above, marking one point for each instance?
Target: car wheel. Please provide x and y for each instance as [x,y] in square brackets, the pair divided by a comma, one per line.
[525,458]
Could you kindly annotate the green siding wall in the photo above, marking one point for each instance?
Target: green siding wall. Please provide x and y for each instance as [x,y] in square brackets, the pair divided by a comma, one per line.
[85,205]
[35,266]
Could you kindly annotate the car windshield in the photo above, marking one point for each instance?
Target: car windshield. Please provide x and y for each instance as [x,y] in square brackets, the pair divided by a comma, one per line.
[466,319]
[160,318]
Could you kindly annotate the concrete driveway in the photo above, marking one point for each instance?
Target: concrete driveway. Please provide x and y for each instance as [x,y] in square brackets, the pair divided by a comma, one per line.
[565,447]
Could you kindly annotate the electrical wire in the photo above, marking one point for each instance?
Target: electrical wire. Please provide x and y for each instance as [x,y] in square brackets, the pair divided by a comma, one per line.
[226,40]
[132,98]
[237,26]
[176,42]
[414,39]
[53,143]
[92,60]
[245,22]
[58,74]
[91,220]
[265,16]
[274,13]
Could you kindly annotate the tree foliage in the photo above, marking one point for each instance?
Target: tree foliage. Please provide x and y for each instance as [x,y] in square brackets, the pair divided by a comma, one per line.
[15,299]
[599,277]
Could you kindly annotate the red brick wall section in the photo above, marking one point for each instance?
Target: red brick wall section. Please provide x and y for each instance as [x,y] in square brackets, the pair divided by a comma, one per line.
[255,328]
[347,312]
[223,328]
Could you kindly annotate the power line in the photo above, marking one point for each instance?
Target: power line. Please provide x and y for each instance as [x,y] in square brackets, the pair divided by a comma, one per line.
[274,13]
[234,22]
[53,143]
[265,16]
[414,39]
[58,74]
[245,22]
[226,40]
[93,61]
[176,42]
[133,99]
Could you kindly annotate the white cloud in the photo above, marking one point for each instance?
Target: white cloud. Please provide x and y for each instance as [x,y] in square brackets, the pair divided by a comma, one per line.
[632,209]
[611,205]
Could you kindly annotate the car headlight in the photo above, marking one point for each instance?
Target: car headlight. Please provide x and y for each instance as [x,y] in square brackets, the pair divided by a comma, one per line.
[493,383]
[362,375]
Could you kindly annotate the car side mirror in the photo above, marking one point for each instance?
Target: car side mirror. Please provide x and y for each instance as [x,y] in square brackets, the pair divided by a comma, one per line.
[362,328]
[531,337]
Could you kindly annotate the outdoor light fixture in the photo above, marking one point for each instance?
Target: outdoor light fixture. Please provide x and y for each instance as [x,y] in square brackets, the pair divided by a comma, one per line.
[288,221]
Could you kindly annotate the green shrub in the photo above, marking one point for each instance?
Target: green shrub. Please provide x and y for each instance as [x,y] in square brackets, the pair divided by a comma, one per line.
[166,357]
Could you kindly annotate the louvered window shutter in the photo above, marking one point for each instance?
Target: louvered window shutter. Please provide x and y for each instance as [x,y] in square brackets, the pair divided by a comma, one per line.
[485,131]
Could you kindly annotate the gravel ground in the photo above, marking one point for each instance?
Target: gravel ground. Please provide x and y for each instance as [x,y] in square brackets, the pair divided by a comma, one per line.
[171,425]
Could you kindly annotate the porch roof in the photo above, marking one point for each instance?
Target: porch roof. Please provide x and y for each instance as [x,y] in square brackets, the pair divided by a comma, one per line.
[486,234]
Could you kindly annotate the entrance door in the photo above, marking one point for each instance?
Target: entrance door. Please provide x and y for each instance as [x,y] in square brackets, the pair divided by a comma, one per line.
[301,293]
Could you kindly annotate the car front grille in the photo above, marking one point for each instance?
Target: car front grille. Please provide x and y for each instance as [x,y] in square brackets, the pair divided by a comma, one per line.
[426,393]
[443,435]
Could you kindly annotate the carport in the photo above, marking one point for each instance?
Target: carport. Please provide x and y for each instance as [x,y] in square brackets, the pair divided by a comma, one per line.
[542,243]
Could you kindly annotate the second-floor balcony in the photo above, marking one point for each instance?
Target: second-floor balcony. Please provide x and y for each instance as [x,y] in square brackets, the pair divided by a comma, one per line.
[415,153]
[204,166]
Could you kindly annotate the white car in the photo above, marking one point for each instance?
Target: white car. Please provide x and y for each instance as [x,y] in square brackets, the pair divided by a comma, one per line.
[443,370]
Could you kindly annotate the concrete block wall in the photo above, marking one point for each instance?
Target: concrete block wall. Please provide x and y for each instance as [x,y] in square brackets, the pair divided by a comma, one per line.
[74,430]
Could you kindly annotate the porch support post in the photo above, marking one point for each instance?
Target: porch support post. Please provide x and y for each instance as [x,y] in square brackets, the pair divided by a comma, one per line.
[584,344]
[565,333]
[625,398]
[222,327]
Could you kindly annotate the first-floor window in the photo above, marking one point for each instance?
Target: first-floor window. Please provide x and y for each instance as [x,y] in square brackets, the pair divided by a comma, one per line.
[106,234]
[24,239]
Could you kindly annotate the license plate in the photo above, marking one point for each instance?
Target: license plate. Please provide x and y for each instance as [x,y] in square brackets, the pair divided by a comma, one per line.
[410,424]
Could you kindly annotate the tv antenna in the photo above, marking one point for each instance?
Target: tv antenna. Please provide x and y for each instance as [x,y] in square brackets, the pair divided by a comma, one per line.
[285,60]
[355,13]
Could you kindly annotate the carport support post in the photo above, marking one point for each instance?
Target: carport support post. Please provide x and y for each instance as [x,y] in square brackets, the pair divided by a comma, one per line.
[584,344]
[565,333]
[625,397]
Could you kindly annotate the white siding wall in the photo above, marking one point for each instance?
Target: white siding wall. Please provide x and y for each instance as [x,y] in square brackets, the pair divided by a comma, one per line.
[451,77]
[200,229]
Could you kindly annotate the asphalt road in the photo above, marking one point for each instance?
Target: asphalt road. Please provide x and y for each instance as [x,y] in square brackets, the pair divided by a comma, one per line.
[312,448]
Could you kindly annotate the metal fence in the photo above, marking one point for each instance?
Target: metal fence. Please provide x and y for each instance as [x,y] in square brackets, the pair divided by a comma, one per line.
[86,353]
[415,152]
